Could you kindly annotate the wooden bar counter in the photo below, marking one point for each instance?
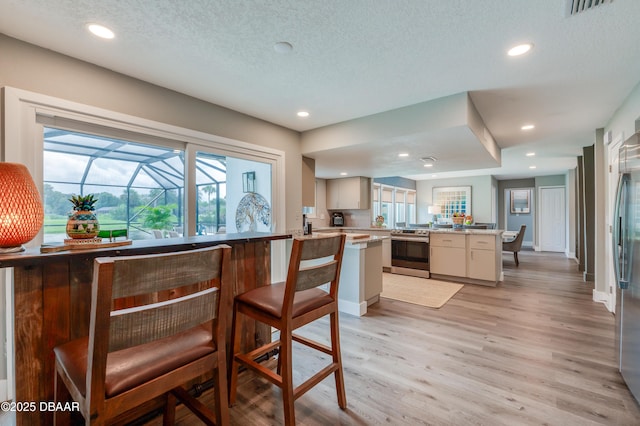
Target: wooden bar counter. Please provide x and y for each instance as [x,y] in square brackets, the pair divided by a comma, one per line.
[52,298]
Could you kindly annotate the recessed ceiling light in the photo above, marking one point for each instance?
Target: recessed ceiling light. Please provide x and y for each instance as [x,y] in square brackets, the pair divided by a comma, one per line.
[532,167]
[100,31]
[403,154]
[528,127]
[428,165]
[531,154]
[343,173]
[303,114]
[521,49]
[283,47]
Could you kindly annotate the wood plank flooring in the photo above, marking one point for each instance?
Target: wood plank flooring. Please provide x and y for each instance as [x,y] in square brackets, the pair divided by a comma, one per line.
[536,350]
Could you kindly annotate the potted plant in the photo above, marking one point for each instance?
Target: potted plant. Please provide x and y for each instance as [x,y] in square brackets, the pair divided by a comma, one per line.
[82,222]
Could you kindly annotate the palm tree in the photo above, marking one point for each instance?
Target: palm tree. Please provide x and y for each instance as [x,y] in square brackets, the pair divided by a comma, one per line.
[209,189]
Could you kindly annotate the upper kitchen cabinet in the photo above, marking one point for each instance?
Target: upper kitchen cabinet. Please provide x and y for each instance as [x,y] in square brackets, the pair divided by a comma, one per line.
[348,193]
[308,182]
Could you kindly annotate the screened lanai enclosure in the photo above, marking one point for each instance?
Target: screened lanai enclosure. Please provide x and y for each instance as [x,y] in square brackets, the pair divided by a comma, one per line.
[140,187]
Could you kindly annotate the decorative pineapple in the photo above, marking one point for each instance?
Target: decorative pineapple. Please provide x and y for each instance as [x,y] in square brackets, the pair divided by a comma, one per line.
[83,202]
[83,223]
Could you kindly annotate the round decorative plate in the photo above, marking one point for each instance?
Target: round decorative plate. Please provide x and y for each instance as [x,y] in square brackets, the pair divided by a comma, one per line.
[253,209]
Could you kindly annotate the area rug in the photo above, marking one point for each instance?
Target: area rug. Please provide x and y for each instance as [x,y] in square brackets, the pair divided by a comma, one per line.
[419,291]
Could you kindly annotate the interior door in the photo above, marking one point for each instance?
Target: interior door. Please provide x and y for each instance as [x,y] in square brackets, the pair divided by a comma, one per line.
[552,223]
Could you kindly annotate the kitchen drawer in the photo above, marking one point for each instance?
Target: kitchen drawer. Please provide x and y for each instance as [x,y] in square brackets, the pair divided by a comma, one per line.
[482,242]
[447,240]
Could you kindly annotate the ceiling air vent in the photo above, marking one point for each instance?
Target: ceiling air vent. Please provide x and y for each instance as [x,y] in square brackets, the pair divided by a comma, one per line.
[577,6]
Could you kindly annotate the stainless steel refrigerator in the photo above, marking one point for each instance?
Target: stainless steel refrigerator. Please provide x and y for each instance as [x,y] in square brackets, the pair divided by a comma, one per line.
[626,243]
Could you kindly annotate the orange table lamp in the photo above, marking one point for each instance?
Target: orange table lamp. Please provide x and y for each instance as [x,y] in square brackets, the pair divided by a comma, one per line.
[21,212]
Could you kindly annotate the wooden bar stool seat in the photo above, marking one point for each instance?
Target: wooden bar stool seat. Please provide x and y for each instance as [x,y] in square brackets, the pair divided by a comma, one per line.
[269,299]
[315,261]
[171,331]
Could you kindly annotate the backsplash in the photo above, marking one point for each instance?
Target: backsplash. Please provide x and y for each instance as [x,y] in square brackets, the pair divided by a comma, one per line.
[352,218]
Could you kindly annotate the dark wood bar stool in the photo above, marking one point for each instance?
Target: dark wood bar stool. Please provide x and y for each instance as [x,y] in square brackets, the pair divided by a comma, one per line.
[171,331]
[288,306]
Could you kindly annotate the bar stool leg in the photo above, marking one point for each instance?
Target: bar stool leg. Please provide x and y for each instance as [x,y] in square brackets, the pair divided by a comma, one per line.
[287,377]
[236,340]
[337,359]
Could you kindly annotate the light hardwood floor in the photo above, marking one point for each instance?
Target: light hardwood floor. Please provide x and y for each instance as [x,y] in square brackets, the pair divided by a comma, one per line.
[536,350]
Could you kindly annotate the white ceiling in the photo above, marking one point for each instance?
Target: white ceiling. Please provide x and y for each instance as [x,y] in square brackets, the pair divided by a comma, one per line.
[356,58]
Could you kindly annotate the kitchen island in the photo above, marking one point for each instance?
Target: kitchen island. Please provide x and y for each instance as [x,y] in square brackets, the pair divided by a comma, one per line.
[466,255]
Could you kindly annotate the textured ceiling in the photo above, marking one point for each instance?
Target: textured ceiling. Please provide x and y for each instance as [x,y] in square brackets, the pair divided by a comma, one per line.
[356,58]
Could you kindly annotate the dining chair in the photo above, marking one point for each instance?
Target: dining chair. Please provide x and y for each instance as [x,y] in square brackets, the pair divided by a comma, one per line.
[157,322]
[288,306]
[515,245]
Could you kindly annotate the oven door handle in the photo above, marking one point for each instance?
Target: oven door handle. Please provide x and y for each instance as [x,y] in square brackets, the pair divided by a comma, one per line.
[417,240]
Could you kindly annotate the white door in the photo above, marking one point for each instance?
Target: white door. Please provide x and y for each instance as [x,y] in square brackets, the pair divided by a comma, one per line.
[552,218]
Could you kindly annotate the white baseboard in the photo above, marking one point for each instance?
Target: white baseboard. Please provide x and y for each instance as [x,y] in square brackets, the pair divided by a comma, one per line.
[603,297]
[352,308]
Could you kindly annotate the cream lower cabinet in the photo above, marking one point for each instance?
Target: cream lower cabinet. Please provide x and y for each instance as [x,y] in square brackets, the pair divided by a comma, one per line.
[472,258]
[448,254]
[481,262]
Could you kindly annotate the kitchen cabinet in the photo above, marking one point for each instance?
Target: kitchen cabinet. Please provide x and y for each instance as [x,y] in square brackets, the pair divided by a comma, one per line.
[348,193]
[481,260]
[448,254]
[467,256]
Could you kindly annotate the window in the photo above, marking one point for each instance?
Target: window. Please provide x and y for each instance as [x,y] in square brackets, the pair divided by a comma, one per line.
[396,205]
[401,206]
[386,204]
[139,187]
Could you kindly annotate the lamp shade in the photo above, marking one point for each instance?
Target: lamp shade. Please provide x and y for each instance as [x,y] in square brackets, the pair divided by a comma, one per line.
[21,212]
[435,209]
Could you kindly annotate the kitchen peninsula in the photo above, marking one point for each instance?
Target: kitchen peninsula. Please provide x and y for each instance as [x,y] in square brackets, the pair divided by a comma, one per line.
[467,255]
[52,299]
[361,273]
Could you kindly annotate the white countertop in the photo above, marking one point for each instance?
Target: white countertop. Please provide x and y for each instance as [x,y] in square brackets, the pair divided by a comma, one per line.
[370,239]
[430,230]
[466,231]
[350,228]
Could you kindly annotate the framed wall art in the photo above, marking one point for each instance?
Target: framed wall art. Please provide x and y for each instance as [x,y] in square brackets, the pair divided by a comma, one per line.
[452,199]
[249,182]
[520,201]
